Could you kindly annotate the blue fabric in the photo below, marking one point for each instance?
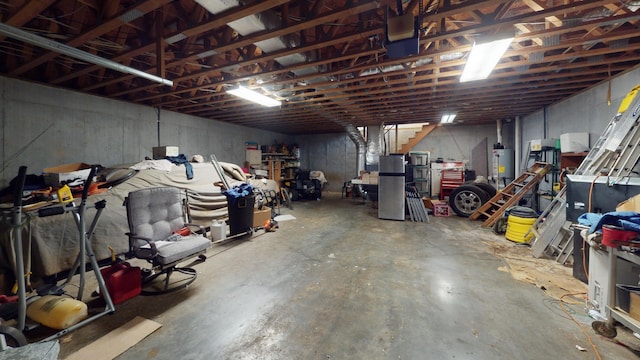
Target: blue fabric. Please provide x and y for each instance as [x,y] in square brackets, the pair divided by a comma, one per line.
[238,191]
[628,220]
[181,159]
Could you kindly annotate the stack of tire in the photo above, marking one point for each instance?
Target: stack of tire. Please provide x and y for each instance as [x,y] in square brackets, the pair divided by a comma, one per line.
[469,197]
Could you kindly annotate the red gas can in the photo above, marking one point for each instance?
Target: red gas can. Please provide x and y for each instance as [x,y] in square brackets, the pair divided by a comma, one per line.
[123,281]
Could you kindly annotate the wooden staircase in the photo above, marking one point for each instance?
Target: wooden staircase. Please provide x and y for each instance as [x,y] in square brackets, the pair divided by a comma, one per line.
[413,141]
[511,194]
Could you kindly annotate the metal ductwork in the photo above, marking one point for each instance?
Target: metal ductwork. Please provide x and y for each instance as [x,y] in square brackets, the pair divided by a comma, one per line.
[398,67]
[373,144]
[353,134]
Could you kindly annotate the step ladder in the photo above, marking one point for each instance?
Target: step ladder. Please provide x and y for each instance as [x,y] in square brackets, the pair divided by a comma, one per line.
[511,194]
[556,229]
[614,155]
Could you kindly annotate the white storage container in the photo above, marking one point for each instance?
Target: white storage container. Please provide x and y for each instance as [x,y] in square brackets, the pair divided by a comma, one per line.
[419,157]
[218,230]
[574,142]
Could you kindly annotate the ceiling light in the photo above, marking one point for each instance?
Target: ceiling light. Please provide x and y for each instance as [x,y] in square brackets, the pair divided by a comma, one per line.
[483,59]
[254,96]
[447,118]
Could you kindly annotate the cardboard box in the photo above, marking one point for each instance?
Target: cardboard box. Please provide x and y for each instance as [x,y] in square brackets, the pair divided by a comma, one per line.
[631,204]
[254,157]
[574,142]
[628,299]
[542,144]
[161,152]
[634,308]
[56,175]
[428,204]
[260,216]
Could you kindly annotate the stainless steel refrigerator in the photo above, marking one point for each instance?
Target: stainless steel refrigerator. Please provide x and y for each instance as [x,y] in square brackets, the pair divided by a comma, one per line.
[391,184]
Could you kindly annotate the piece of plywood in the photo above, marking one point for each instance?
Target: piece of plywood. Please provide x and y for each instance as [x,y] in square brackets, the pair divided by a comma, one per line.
[480,159]
[117,341]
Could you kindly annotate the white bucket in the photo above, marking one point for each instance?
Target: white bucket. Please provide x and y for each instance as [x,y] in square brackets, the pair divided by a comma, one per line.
[218,230]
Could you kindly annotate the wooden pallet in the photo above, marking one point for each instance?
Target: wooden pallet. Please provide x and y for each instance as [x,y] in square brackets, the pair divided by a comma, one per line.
[494,209]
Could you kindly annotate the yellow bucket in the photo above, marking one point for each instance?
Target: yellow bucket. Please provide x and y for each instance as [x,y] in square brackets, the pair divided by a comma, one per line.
[517,227]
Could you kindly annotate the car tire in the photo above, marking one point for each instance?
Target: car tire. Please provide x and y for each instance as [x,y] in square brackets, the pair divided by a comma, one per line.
[489,189]
[466,199]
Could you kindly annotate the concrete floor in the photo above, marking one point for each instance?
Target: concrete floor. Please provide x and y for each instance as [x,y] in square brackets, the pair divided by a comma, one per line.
[338,283]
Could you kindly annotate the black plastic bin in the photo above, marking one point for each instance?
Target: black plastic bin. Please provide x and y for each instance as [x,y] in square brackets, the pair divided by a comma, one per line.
[240,214]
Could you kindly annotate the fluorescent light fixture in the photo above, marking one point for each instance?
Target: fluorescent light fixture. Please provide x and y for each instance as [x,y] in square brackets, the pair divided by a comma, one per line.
[483,59]
[254,96]
[447,118]
[55,46]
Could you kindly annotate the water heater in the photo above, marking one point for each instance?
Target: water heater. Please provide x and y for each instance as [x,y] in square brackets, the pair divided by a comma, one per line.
[503,165]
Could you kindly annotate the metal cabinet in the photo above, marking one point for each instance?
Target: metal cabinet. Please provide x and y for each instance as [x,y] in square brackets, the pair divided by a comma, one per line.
[436,174]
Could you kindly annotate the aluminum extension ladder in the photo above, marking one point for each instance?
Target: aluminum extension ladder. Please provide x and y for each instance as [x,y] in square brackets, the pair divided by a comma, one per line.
[614,155]
[511,194]
[555,229]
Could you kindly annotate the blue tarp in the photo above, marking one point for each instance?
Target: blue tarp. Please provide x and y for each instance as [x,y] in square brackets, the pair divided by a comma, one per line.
[238,191]
[628,220]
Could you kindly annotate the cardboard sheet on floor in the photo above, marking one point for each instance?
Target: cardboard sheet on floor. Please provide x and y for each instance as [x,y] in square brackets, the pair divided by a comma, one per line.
[554,279]
[117,341]
[284,217]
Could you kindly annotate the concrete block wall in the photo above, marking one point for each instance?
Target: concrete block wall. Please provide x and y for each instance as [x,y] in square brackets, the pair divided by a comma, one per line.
[334,154]
[585,112]
[451,142]
[43,126]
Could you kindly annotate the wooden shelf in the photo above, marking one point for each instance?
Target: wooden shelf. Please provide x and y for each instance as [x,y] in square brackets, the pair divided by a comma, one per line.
[278,165]
[571,160]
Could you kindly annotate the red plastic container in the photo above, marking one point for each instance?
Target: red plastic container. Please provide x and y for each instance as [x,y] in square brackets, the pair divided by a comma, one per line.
[123,281]
[614,236]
